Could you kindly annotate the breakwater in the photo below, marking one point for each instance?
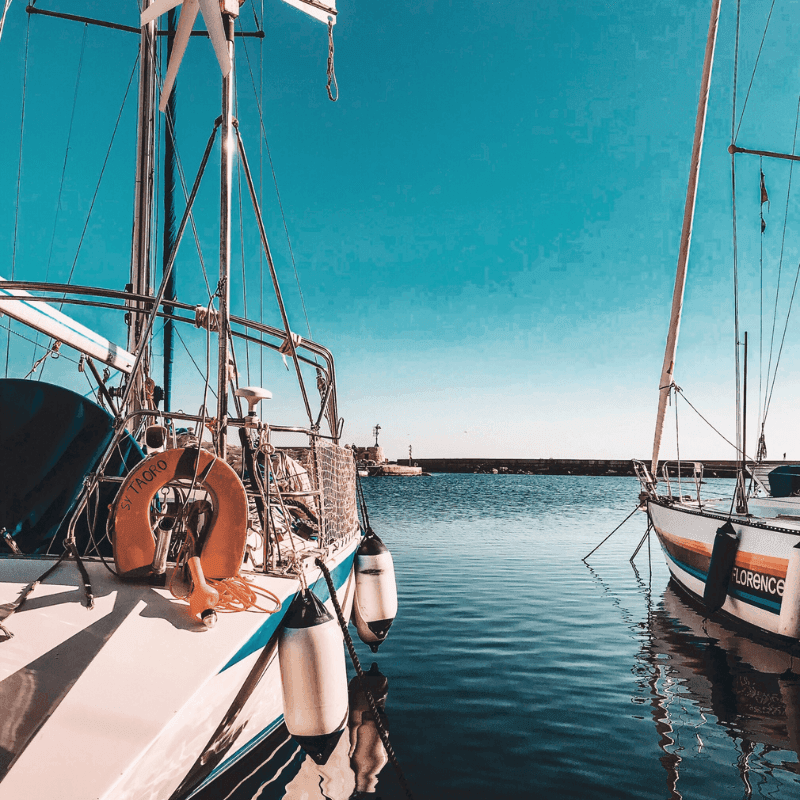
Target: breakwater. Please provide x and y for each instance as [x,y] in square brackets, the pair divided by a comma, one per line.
[567,466]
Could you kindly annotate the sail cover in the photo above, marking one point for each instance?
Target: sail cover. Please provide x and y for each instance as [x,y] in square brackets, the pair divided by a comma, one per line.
[51,438]
[19,305]
[323,11]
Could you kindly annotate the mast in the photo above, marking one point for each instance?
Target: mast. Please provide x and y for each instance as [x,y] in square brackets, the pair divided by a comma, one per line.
[169,215]
[230,10]
[143,206]
[667,370]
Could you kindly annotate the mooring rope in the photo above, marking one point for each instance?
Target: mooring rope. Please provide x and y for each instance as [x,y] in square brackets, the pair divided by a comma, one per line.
[7,609]
[612,533]
[361,681]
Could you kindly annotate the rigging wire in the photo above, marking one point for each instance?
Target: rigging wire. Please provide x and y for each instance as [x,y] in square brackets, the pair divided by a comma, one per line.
[277,191]
[761,288]
[678,444]
[688,402]
[244,267]
[97,189]
[191,357]
[66,157]
[66,151]
[19,170]
[783,339]
[241,246]
[768,389]
[102,171]
[182,177]
[755,66]
[261,203]
[34,342]
[735,242]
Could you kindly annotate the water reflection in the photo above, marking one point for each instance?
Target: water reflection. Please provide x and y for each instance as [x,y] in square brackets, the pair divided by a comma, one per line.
[353,768]
[278,768]
[751,689]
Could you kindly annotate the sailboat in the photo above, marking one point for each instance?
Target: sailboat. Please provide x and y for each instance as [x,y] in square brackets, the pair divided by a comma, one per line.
[175,585]
[740,555]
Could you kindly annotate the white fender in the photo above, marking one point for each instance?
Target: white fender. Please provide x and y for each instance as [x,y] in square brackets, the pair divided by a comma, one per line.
[789,619]
[375,603]
[313,676]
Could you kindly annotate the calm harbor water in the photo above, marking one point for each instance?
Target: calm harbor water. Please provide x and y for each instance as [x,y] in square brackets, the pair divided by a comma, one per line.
[516,671]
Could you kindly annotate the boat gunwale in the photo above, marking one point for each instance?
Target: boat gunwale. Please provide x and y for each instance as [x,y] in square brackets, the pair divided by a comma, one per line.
[737,518]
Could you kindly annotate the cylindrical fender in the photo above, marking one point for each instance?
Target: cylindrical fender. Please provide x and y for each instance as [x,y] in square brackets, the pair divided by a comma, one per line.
[375,603]
[723,557]
[313,676]
[131,528]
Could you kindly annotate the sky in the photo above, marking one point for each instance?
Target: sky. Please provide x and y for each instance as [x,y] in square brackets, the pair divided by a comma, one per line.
[485,225]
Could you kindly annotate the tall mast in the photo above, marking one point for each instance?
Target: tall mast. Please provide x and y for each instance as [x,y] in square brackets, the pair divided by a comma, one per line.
[143,204]
[230,10]
[169,213]
[667,370]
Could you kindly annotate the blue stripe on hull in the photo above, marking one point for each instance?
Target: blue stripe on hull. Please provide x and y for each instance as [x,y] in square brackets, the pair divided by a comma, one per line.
[238,755]
[260,638]
[758,602]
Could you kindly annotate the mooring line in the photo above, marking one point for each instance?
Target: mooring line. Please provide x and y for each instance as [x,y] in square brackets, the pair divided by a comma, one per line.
[641,541]
[373,707]
[612,533]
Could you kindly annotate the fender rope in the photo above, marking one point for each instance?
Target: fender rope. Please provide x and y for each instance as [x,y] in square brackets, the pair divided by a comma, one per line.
[360,672]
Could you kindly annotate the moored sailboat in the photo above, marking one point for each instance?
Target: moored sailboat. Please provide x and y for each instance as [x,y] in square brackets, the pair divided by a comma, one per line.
[739,555]
[153,556]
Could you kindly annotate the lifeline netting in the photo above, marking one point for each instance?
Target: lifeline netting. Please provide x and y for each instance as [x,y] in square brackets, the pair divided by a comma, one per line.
[332,470]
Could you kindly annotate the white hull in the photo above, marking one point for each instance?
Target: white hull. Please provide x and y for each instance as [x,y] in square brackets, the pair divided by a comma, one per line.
[766,537]
[132,700]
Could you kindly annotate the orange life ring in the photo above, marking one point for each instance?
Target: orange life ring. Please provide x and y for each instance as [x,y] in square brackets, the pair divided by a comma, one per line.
[131,527]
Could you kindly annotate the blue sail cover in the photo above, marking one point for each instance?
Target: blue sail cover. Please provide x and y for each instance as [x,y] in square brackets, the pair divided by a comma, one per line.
[784,481]
[50,439]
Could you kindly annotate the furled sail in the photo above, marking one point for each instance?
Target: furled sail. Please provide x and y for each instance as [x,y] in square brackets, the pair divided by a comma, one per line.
[46,319]
[323,11]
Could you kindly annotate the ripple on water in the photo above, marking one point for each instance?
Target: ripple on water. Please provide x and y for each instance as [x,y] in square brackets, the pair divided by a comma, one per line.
[517,671]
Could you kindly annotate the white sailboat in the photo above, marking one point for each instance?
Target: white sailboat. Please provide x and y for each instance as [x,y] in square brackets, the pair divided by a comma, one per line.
[740,556]
[164,594]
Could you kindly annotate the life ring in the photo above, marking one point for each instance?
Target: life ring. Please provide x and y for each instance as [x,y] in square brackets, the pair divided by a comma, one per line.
[131,527]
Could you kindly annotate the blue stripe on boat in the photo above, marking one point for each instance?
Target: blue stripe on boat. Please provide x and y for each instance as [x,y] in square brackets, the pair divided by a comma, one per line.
[238,755]
[759,602]
[260,638]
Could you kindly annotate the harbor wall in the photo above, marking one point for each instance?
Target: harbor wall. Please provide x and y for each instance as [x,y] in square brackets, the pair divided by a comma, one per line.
[565,466]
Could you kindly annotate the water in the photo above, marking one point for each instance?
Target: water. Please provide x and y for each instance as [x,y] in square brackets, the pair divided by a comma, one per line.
[516,671]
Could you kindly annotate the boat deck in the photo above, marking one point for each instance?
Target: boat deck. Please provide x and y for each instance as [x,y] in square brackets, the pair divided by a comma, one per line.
[88,693]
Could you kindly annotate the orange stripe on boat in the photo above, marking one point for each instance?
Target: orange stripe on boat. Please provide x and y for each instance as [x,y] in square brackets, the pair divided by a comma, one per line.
[768,565]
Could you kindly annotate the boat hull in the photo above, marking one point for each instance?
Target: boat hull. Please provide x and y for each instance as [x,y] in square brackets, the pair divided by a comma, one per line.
[758,576]
[153,706]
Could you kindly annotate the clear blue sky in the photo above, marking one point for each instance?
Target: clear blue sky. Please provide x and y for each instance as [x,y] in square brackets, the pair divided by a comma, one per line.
[485,225]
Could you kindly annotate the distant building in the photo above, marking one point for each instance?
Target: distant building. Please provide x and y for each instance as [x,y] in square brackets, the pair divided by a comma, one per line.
[370,455]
